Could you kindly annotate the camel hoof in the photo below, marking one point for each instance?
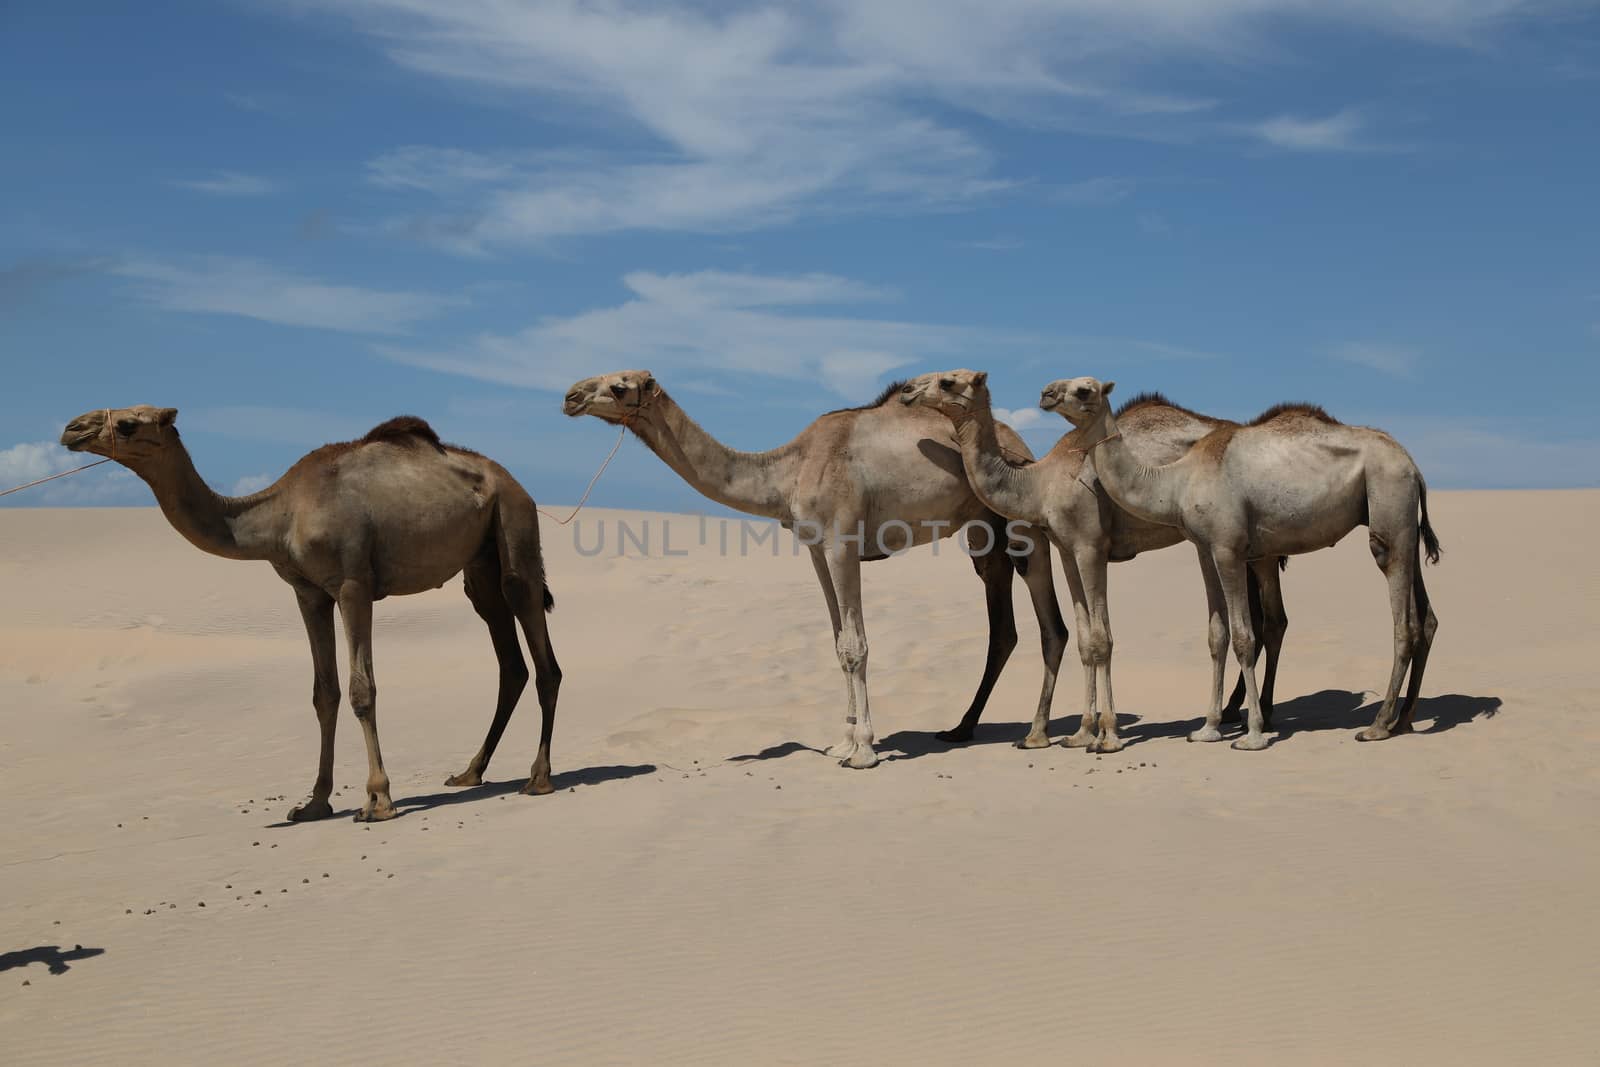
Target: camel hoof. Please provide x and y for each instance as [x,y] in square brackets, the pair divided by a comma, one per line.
[465,778]
[310,811]
[841,751]
[1206,733]
[537,787]
[1078,740]
[1250,743]
[1106,746]
[376,814]
[958,736]
[1035,741]
[862,758]
[1373,733]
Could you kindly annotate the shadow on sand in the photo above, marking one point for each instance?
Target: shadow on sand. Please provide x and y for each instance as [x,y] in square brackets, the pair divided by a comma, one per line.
[564,780]
[1330,709]
[53,957]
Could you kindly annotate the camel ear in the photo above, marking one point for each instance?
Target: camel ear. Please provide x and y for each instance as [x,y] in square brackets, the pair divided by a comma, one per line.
[651,387]
[167,416]
[1105,390]
[980,378]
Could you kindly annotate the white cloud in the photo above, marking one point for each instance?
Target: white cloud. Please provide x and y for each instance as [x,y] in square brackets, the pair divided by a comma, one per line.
[1340,132]
[252,483]
[748,113]
[225,286]
[228,183]
[710,321]
[1399,361]
[994,244]
[1020,419]
[33,460]
[1097,191]
[1153,223]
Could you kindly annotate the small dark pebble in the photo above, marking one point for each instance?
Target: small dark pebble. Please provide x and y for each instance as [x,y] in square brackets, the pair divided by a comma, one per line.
[253,844]
[391,876]
[229,886]
[324,874]
[128,912]
[26,982]
[258,892]
[305,881]
[202,903]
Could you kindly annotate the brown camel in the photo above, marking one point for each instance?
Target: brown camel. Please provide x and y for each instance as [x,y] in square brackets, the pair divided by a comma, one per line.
[859,484]
[1060,494]
[396,512]
[1294,480]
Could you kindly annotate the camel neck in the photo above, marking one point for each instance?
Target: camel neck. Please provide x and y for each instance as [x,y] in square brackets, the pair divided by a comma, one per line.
[1149,493]
[753,482]
[231,527]
[1003,486]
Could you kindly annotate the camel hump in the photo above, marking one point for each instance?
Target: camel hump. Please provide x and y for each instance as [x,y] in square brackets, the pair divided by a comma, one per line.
[404,429]
[1314,411]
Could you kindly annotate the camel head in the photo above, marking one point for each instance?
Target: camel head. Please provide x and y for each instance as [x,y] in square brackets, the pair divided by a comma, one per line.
[621,396]
[1078,400]
[123,434]
[953,393]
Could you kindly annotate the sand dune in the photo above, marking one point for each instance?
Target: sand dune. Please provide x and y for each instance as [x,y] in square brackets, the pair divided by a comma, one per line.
[705,887]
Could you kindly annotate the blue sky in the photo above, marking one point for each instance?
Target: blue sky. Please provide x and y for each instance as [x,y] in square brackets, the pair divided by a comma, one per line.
[292,220]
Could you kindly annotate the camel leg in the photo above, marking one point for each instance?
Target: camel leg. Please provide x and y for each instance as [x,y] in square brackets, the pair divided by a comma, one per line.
[1232,574]
[1217,640]
[847,744]
[1272,625]
[1396,554]
[316,609]
[1419,658]
[844,567]
[996,570]
[1096,643]
[1085,735]
[1233,712]
[355,607]
[1052,634]
[482,582]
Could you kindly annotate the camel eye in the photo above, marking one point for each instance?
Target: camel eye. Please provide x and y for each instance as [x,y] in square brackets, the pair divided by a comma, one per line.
[619,391]
[126,427]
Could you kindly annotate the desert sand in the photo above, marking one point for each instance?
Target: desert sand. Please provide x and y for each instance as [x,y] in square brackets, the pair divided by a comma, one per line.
[706,887]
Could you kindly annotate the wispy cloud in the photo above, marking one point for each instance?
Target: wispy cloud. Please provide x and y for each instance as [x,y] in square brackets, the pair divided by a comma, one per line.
[711,321]
[1095,191]
[1153,223]
[994,244]
[1023,420]
[252,483]
[228,183]
[225,286]
[1399,361]
[745,113]
[1340,132]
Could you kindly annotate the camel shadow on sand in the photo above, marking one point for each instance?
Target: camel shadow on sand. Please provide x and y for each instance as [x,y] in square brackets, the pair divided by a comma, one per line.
[407,805]
[1329,709]
[54,957]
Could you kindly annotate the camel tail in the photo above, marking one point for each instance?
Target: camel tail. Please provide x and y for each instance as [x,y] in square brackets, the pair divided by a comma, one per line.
[549,600]
[1430,540]
[1283,563]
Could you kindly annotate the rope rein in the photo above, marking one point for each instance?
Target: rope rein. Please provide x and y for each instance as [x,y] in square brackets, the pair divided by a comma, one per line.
[1097,444]
[626,423]
[75,470]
